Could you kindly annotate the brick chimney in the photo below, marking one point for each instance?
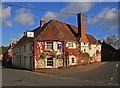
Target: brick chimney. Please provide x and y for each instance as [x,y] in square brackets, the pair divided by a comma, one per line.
[13,43]
[42,21]
[10,45]
[25,33]
[81,28]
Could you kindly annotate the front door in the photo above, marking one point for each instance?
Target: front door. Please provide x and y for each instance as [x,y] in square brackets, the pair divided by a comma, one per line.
[50,62]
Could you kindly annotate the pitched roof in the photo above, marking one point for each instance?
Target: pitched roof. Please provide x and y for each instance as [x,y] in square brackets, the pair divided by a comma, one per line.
[57,30]
[92,40]
[24,40]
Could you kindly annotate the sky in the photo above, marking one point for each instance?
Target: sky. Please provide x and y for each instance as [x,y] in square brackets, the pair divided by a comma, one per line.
[16,20]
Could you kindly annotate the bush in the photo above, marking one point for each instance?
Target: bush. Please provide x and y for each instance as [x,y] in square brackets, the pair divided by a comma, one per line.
[85,57]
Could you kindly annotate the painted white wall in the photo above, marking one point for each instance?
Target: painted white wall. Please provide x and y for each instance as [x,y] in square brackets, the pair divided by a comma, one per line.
[74,45]
[18,53]
[30,34]
[56,62]
[70,60]
[94,48]
[85,46]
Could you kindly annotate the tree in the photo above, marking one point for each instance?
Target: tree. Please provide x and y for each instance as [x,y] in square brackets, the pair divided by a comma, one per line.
[112,40]
[3,49]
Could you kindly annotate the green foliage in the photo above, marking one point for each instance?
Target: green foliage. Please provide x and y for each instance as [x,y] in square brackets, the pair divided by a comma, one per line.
[54,54]
[43,55]
[85,57]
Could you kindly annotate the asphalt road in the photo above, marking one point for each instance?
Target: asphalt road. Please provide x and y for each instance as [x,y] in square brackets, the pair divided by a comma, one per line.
[103,75]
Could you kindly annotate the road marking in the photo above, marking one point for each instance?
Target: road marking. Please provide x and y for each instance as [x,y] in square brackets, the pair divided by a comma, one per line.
[117,65]
[114,74]
[111,78]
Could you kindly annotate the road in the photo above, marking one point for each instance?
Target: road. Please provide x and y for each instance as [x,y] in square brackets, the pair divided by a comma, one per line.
[103,75]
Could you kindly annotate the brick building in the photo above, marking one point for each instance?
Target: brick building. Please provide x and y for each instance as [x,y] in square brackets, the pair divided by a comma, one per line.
[55,44]
[7,56]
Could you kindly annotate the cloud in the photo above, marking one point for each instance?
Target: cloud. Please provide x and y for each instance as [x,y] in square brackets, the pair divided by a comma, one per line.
[21,35]
[24,17]
[73,7]
[16,39]
[4,15]
[106,13]
[13,40]
[49,15]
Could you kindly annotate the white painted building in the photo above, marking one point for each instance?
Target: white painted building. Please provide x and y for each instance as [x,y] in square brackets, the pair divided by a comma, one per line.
[55,44]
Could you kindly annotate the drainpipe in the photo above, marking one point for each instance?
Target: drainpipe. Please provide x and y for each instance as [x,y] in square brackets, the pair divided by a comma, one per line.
[33,68]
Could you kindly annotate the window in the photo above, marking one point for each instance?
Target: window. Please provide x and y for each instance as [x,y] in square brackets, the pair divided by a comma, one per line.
[25,60]
[84,43]
[89,46]
[49,61]
[70,44]
[24,48]
[50,45]
[17,50]
[31,47]
[20,49]
[73,61]
[90,58]
[84,50]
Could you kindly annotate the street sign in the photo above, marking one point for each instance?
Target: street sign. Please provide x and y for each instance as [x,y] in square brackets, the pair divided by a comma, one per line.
[59,46]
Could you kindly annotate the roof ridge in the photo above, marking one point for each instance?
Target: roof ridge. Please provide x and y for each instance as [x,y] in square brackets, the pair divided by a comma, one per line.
[64,22]
[58,30]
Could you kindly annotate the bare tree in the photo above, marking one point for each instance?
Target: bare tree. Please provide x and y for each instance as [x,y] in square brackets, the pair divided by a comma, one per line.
[112,40]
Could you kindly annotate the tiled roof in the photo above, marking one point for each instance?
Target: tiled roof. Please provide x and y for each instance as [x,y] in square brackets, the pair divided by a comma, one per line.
[24,40]
[57,30]
[92,40]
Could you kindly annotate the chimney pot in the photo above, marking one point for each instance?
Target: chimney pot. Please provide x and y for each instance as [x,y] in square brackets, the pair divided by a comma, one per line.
[25,33]
[13,43]
[10,45]
[42,22]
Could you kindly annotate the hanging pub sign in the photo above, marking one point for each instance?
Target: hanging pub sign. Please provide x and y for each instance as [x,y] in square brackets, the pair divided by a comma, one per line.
[59,56]
[59,46]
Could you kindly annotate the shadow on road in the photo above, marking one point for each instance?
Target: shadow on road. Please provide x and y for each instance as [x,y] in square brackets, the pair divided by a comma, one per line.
[110,60]
[9,66]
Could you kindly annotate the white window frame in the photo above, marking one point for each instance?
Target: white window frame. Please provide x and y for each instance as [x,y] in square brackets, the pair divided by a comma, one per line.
[84,50]
[70,44]
[50,62]
[73,60]
[49,45]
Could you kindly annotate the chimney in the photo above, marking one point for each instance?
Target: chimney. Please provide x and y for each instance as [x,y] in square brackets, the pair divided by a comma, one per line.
[25,33]
[81,25]
[10,45]
[81,28]
[42,22]
[13,44]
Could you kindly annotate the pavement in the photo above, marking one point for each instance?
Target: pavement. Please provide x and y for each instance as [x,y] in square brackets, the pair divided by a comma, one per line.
[70,70]
[101,74]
